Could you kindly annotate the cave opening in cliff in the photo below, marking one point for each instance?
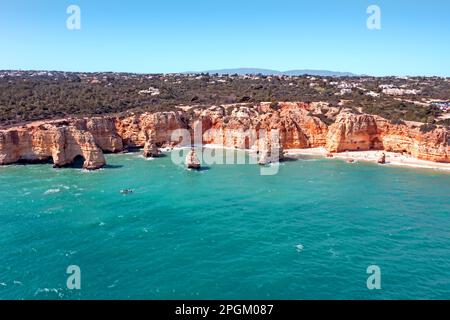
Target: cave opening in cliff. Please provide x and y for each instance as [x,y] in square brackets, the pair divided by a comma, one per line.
[376,144]
[77,162]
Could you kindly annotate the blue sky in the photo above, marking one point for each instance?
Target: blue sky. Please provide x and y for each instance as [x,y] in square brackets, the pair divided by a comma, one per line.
[180,35]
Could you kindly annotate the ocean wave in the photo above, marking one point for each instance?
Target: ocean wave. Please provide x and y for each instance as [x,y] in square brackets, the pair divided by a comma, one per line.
[113,285]
[71,253]
[51,191]
[91,171]
[57,291]
[333,253]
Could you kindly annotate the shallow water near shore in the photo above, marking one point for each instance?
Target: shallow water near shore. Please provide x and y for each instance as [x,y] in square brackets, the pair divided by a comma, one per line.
[308,232]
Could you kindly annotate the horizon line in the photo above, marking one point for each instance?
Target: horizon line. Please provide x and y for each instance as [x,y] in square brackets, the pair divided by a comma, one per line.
[221,69]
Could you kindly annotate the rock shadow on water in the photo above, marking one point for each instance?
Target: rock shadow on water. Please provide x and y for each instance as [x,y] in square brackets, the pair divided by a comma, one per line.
[301,157]
[289,159]
[131,150]
[201,169]
[113,166]
[23,162]
[161,155]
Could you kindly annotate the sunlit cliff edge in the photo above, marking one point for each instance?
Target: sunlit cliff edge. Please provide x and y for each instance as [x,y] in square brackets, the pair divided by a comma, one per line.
[300,126]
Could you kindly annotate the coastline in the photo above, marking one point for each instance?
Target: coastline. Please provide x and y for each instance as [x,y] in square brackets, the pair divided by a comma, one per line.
[371,156]
[392,158]
[90,138]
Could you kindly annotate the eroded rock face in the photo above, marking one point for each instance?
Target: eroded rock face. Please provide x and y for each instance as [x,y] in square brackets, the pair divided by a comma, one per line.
[353,132]
[135,130]
[270,149]
[57,142]
[151,150]
[192,161]
[12,144]
[105,134]
[298,125]
[300,129]
[243,127]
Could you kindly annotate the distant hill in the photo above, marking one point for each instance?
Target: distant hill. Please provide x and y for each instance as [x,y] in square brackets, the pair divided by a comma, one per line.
[244,71]
[322,73]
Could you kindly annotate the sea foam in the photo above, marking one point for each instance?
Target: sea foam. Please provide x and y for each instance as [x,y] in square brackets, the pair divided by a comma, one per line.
[50,191]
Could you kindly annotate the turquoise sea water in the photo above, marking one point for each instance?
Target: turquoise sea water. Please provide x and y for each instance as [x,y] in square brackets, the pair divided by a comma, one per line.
[309,232]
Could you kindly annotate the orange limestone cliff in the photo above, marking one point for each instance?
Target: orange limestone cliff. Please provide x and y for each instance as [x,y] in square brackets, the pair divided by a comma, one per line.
[137,129]
[56,141]
[298,125]
[240,126]
[352,132]
[360,132]
[62,141]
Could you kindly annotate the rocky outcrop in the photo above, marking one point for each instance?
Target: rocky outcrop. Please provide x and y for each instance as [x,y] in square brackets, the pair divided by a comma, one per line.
[57,142]
[353,132]
[104,132]
[432,145]
[64,140]
[382,158]
[270,150]
[242,128]
[192,161]
[135,130]
[298,126]
[151,150]
[359,132]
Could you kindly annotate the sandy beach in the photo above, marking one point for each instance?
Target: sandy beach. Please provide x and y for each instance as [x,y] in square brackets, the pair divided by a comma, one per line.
[392,158]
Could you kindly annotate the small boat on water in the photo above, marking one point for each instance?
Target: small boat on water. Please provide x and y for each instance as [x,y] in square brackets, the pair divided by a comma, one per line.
[126,191]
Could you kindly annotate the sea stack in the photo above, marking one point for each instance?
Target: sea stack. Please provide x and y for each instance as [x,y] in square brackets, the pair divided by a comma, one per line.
[151,150]
[270,151]
[192,161]
[382,159]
